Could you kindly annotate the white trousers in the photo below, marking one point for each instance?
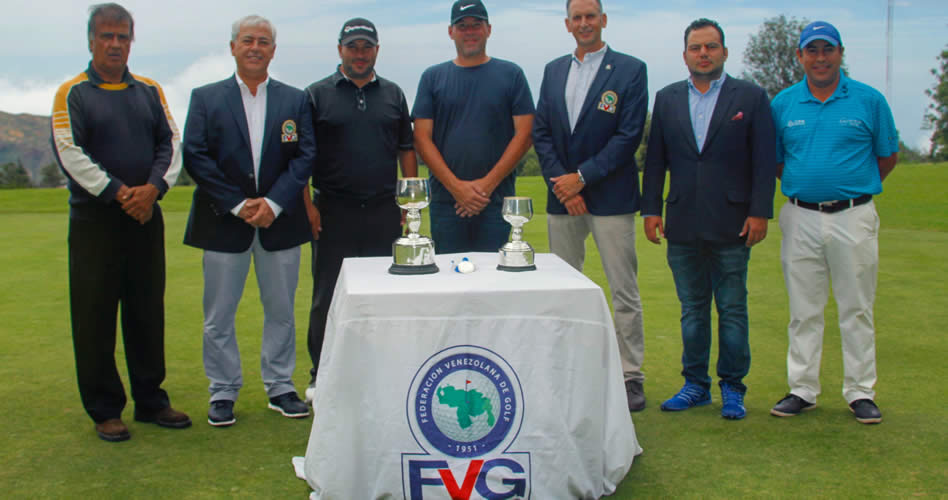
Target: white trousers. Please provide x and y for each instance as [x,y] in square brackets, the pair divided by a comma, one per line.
[615,238]
[818,248]
[224,278]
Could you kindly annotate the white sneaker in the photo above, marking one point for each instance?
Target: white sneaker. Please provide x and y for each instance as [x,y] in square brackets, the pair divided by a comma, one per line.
[310,394]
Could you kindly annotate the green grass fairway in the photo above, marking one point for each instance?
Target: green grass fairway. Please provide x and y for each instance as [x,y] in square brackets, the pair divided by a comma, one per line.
[49,448]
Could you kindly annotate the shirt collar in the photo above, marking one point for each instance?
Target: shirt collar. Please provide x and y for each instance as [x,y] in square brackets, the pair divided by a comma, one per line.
[842,89]
[243,86]
[97,80]
[715,84]
[339,76]
[591,56]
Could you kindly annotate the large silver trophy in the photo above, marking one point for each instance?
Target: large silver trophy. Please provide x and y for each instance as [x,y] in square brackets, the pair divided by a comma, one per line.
[413,254]
[516,254]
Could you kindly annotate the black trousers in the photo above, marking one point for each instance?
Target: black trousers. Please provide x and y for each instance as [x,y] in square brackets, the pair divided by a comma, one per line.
[114,260]
[351,228]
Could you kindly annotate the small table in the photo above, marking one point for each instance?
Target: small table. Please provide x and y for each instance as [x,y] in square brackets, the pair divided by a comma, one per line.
[484,385]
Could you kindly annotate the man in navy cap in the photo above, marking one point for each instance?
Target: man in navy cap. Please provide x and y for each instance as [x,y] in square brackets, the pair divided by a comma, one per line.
[836,143]
[473,117]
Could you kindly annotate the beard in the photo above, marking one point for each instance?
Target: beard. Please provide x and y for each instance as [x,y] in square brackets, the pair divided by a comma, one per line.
[351,72]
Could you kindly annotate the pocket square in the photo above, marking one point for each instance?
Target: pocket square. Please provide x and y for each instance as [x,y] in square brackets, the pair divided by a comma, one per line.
[738,116]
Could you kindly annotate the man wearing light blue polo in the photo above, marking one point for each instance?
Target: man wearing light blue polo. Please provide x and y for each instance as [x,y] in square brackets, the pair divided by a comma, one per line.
[836,143]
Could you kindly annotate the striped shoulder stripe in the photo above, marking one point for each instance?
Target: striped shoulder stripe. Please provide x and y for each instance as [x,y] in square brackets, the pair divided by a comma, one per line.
[60,102]
[164,102]
[174,169]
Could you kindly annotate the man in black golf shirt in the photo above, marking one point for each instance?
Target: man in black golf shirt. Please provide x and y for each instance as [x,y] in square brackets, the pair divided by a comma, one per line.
[363,130]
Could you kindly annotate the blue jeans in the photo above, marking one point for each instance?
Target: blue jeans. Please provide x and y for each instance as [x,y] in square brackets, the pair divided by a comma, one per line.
[485,232]
[703,270]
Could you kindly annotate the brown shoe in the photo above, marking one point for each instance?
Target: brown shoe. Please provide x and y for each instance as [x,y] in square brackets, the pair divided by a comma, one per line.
[166,417]
[112,430]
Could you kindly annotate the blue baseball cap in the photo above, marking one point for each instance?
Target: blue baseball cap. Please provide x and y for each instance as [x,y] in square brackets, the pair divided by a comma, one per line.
[820,30]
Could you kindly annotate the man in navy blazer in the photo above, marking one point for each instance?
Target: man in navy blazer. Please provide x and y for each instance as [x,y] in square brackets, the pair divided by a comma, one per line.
[715,136]
[589,123]
[249,145]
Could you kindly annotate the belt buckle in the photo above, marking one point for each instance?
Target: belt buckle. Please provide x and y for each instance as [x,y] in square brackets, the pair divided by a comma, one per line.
[827,204]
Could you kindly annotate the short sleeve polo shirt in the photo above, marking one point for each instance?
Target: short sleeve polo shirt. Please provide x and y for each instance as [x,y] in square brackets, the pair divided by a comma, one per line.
[830,149]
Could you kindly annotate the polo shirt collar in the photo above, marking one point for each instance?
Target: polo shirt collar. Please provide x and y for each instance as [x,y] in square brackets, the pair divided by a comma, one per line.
[339,76]
[842,89]
[98,81]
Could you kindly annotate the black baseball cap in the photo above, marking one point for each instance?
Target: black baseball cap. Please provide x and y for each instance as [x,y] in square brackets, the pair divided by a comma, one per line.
[358,29]
[468,8]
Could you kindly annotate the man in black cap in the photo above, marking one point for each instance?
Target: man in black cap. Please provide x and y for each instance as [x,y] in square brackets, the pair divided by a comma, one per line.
[363,130]
[473,117]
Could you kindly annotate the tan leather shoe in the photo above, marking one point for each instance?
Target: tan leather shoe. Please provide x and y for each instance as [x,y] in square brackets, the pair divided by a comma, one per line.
[112,430]
[166,417]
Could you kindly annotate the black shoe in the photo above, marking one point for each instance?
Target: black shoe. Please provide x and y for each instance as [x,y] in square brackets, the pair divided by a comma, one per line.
[866,411]
[221,413]
[635,395]
[289,405]
[165,417]
[791,405]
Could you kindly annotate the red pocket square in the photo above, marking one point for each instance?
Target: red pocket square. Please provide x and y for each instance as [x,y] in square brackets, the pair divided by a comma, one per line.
[738,116]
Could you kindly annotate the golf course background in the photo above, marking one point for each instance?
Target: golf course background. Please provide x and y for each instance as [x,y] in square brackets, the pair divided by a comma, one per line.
[48,448]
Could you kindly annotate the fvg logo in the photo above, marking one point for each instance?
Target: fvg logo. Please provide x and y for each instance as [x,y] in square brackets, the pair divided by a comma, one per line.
[465,409]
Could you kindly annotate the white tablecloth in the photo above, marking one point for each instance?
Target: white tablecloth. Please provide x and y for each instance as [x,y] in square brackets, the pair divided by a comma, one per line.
[486,383]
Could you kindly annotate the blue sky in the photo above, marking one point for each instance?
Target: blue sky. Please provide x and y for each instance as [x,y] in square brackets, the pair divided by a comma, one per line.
[183,44]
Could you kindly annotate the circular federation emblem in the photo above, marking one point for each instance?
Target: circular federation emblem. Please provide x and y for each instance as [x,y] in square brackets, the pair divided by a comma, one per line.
[289,127]
[610,98]
[465,401]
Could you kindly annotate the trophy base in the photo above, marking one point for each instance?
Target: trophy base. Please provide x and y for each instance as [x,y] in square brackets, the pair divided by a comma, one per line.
[516,256]
[516,269]
[406,269]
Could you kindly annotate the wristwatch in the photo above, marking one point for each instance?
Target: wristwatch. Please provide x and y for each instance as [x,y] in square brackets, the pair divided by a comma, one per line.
[580,174]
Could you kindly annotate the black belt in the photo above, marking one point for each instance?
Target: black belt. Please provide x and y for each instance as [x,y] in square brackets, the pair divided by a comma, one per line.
[833,206]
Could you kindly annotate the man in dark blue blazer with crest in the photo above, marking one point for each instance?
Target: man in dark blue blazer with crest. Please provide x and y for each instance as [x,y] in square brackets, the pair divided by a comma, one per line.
[249,145]
[715,136]
[589,122]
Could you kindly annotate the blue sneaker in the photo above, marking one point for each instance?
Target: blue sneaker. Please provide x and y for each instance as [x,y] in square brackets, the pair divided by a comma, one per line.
[733,408]
[689,396]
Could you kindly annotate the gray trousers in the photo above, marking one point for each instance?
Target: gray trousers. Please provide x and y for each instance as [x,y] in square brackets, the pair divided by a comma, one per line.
[615,238]
[224,277]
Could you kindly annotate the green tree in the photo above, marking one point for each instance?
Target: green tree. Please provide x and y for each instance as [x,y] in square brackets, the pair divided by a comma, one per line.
[908,154]
[643,146]
[936,117]
[529,165]
[13,176]
[771,54]
[51,176]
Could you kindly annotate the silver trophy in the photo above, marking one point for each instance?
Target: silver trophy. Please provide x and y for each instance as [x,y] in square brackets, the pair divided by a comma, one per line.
[516,254]
[413,254]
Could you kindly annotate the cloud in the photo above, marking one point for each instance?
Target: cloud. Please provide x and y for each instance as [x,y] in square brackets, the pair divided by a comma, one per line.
[33,97]
[207,69]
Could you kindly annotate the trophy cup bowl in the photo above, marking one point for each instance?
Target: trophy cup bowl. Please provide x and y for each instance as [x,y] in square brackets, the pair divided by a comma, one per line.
[413,253]
[517,255]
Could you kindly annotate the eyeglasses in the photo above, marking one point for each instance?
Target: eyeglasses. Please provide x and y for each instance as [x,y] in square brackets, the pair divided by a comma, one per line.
[360,99]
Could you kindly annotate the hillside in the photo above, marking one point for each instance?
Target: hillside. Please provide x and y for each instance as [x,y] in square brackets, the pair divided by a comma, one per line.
[26,138]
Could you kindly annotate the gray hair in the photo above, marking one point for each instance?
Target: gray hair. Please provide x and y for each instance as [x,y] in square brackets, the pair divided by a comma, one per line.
[568,2]
[252,21]
[110,13]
